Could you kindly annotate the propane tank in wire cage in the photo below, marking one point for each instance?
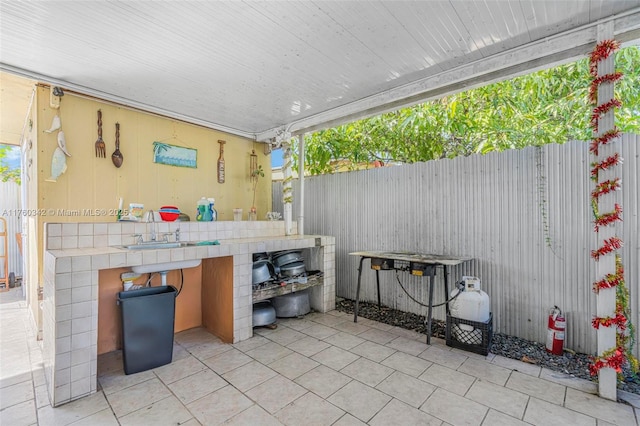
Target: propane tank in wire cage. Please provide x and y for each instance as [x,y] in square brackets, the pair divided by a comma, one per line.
[471,304]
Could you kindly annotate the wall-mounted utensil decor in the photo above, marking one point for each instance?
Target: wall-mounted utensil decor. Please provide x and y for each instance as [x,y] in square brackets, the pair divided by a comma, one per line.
[58,165]
[221,162]
[172,155]
[60,154]
[100,148]
[116,157]
[62,143]
[59,158]
[56,124]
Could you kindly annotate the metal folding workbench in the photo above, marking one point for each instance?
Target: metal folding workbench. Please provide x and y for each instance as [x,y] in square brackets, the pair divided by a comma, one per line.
[417,263]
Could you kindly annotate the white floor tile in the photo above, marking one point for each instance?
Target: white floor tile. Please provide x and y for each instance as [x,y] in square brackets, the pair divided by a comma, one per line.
[454,409]
[275,393]
[500,398]
[359,400]
[219,406]
[406,388]
[309,409]
[399,413]
[544,413]
[290,376]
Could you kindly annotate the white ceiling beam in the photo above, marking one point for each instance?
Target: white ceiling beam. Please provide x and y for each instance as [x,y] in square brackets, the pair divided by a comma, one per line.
[526,59]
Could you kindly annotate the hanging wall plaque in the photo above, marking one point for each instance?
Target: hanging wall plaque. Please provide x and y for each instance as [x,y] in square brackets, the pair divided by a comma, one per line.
[173,155]
[221,162]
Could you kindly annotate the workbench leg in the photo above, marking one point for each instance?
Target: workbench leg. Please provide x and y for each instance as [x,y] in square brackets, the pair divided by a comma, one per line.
[432,277]
[355,311]
[446,287]
[378,284]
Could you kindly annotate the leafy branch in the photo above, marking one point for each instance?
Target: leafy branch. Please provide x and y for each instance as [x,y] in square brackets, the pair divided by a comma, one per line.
[8,174]
[548,106]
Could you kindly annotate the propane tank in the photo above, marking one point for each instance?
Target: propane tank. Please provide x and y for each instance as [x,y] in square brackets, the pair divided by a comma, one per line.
[556,326]
[471,304]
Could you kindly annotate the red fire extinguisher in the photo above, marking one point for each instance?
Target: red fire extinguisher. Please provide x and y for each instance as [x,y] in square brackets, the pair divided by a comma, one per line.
[555,331]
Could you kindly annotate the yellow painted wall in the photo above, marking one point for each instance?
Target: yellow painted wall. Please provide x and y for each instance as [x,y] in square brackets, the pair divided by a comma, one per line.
[95,183]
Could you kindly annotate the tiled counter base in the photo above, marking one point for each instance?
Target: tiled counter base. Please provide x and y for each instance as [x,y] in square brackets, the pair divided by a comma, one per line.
[70,305]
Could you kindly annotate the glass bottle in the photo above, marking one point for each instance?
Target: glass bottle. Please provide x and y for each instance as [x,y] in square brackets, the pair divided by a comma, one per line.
[212,211]
[203,214]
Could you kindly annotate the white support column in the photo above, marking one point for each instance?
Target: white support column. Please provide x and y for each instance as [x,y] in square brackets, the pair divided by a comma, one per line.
[606,298]
[301,178]
[287,192]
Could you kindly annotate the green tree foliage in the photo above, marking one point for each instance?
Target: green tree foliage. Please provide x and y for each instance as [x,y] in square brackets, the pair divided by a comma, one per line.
[7,173]
[549,106]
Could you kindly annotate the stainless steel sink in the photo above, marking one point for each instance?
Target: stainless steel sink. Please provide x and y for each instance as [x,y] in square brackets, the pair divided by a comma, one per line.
[148,245]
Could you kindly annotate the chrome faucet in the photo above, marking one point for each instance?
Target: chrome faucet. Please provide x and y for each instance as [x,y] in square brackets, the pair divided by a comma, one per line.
[151,218]
[178,234]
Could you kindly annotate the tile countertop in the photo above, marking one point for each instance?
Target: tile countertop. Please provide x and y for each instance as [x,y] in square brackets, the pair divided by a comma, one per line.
[96,258]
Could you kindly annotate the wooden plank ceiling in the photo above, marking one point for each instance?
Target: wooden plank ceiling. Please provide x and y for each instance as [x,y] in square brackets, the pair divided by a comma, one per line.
[257,68]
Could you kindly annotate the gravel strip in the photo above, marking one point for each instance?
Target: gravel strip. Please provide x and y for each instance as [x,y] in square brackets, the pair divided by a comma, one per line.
[574,364]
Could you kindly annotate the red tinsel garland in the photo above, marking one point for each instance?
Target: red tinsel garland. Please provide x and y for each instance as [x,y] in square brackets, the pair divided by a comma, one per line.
[612,160]
[607,78]
[611,280]
[610,245]
[607,219]
[614,360]
[619,321]
[602,51]
[605,187]
[615,357]
[603,139]
[602,109]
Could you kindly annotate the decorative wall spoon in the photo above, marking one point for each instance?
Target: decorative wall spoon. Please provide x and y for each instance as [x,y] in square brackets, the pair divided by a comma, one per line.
[116,157]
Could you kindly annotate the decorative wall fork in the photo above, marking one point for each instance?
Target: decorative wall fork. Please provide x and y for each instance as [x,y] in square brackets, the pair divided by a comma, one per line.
[100,148]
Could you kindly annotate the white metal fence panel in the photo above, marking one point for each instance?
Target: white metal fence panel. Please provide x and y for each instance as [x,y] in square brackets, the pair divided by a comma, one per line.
[524,216]
[10,204]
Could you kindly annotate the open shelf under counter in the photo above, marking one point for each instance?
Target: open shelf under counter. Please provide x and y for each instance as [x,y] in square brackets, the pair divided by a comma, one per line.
[274,290]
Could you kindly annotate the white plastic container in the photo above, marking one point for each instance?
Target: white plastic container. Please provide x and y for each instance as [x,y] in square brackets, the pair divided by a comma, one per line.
[472,304]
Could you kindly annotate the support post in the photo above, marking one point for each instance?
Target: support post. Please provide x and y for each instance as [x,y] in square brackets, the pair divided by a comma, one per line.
[287,192]
[301,180]
[606,298]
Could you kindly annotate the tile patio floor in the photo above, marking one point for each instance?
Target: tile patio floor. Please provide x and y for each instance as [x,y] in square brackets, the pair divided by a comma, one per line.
[320,370]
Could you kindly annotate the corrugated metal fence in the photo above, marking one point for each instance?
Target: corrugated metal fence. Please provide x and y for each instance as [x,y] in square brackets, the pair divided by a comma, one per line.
[523,215]
[10,196]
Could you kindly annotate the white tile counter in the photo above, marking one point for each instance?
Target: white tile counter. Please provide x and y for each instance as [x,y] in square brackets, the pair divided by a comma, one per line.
[75,252]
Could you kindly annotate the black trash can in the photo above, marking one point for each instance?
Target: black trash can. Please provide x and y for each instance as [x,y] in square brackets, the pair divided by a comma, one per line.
[148,316]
